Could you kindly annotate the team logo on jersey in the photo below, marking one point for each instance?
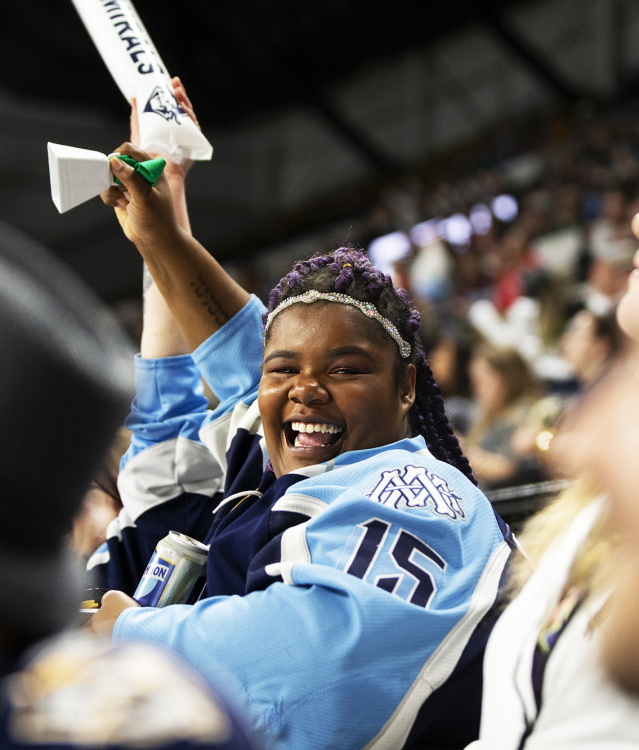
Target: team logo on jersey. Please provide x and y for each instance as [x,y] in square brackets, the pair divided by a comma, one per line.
[415,486]
[163,104]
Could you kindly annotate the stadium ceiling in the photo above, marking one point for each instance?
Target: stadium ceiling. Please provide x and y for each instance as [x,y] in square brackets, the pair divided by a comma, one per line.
[243,61]
[244,58]
[241,57]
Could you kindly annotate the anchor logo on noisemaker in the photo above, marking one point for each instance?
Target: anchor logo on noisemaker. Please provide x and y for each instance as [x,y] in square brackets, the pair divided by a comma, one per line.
[164,104]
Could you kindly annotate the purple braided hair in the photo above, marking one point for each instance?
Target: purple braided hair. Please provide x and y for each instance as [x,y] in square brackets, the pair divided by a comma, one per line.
[349,271]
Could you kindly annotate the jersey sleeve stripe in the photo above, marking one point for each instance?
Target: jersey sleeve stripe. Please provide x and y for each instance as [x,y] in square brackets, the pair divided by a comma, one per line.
[166,471]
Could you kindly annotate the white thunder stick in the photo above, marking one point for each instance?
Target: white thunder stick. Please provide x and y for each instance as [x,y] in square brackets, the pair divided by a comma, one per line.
[136,66]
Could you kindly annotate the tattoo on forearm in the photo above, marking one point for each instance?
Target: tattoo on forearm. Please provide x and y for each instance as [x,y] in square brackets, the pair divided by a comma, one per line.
[206,297]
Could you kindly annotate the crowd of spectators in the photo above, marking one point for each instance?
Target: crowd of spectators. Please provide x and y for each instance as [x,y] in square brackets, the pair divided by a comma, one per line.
[525,245]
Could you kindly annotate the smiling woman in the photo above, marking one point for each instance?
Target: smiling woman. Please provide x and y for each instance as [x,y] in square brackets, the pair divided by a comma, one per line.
[394,388]
[353,565]
[335,390]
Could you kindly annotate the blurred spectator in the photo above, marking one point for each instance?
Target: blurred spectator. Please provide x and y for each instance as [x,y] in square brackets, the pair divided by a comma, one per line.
[504,389]
[574,611]
[591,343]
[532,324]
[609,232]
[514,259]
[607,278]
[614,461]
[615,413]
[449,360]
[611,249]
[431,268]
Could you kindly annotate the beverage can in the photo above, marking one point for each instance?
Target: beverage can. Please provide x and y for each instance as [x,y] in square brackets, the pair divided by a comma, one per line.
[176,567]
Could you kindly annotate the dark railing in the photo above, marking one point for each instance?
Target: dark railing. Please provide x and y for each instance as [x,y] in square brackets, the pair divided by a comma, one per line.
[516,504]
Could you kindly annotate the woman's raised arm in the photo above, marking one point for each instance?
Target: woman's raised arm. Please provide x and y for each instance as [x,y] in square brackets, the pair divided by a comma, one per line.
[199,293]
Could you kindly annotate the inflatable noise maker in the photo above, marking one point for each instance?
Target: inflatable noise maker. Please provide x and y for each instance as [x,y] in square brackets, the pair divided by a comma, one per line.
[78,174]
[138,70]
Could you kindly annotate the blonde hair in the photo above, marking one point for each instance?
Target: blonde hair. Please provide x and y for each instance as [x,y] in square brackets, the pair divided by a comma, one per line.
[589,572]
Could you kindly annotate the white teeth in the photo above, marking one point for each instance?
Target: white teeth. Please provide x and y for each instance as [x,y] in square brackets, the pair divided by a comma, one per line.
[315,427]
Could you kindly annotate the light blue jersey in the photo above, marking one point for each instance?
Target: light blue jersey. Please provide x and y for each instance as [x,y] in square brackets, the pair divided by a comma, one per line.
[368,602]
[347,604]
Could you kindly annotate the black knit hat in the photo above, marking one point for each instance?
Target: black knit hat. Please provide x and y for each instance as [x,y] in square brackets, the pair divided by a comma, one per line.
[66,382]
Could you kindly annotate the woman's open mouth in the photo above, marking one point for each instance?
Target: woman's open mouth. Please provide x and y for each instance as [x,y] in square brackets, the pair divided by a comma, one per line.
[312,434]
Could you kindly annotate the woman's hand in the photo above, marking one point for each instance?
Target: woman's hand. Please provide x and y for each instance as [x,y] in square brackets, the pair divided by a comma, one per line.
[175,174]
[173,171]
[113,604]
[156,220]
[145,211]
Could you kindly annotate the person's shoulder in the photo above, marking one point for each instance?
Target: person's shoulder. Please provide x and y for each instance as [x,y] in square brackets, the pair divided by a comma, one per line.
[368,463]
[403,473]
[77,690]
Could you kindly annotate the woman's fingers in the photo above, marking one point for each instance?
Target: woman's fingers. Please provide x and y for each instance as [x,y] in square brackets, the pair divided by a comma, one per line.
[113,196]
[136,153]
[144,211]
[128,176]
[113,604]
[134,123]
[182,99]
[116,196]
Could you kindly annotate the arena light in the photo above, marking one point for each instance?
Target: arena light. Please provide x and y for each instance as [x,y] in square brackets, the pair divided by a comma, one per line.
[386,250]
[505,208]
[544,439]
[426,232]
[457,230]
[481,218]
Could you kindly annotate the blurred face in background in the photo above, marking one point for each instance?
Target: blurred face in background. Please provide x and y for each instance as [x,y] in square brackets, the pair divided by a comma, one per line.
[614,206]
[582,347]
[489,387]
[443,361]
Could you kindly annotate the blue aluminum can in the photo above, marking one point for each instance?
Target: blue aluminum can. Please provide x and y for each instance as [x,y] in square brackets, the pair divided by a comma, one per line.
[175,573]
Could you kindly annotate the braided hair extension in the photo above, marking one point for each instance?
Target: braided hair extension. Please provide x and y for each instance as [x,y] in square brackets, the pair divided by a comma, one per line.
[349,271]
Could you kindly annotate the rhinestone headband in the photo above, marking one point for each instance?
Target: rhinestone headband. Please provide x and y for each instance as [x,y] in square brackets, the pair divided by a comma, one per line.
[366,307]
